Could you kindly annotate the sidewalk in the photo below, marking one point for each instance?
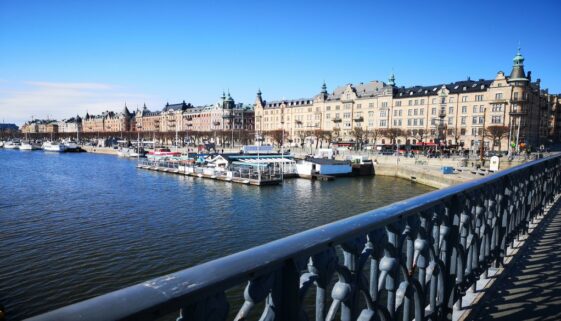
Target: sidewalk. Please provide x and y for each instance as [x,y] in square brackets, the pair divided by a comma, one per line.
[530,289]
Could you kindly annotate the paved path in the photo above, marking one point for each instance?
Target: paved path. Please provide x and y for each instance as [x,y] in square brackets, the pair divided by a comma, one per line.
[530,289]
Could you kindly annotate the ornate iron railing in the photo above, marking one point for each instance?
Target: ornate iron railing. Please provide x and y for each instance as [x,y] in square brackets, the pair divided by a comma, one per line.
[413,259]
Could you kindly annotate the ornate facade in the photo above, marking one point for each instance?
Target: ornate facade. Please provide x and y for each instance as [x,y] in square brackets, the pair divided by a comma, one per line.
[456,113]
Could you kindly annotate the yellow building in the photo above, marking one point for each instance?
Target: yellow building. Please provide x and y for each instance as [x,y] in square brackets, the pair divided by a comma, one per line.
[458,113]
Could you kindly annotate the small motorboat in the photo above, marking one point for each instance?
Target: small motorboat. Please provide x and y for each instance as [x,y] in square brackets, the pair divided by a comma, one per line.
[29,146]
[11,145]
[54,147]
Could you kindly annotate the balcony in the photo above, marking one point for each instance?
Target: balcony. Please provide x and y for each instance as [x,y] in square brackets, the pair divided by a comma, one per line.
[359,119]
[337,120]
[518,111]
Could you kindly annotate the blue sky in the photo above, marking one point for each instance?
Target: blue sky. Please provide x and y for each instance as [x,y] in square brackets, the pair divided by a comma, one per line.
[60,58]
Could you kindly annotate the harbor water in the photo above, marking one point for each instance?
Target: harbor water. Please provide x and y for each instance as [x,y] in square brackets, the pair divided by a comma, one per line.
[73,226]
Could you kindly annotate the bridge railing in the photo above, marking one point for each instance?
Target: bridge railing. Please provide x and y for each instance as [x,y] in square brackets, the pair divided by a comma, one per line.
[413,259]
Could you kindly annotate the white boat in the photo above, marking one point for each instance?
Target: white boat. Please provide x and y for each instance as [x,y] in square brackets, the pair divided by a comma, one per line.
[127,152]
[11,145]
[1,144]
[54,147]
[71,146]
[28,146]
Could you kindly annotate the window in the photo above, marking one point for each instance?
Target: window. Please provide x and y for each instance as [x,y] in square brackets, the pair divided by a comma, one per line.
[383,113]
[383,123]
[370,105]
[498,96]
[421,111]
[384,104]
[481,119]
[398,103]
[328,108]
[478,97]
[415,122]
[327,116]
[358,106]
[347,105]
[463,120]
[433,111]
[346,115]
[464,109]
[451,99]
[462,131]
[310,110]
[496,119]
[433,121]
[474,120]
[450,120]
[415,111]
[464,98]
[497,108]
[421,122]
[337,107]
[434,100]
[395,112]
[475,109]
[422,102]
[450,110]
[515,96]
[370,114]
[400,113]
[416,102]
[409,112]
[409,122]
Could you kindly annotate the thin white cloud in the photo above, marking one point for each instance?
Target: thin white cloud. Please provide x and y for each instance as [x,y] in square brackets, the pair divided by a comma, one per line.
[71,86]
[19,102]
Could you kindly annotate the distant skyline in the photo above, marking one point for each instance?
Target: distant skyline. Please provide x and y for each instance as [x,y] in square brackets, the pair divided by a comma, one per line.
[62,58]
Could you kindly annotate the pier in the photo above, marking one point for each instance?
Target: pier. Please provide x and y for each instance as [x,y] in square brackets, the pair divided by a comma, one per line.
[425,258]
[248,176]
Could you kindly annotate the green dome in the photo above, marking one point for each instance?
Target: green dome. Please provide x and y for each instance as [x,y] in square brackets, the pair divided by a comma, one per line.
[518,59]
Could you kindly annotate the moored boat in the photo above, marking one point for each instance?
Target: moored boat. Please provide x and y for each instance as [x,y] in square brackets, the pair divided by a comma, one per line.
[129,152]
[29,146]
[161,153]
[71,146]
[54,147]
[11,145]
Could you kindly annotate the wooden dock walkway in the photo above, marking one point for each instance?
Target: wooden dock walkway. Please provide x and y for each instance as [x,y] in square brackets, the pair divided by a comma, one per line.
[530,287]
[240,180]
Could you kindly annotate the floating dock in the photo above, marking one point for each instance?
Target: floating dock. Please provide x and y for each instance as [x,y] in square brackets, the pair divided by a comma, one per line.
[201,172]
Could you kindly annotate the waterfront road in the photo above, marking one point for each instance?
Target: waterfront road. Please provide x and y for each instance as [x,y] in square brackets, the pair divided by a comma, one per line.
[530,289]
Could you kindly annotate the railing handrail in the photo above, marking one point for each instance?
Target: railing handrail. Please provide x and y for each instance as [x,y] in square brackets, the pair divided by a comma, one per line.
[171,292]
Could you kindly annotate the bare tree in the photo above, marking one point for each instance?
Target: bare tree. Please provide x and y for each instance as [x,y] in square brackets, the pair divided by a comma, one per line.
[392,134]
[328,136]
[359,134]
[374,134]
[318,133]
[277,136]
[496,133]
[336,133]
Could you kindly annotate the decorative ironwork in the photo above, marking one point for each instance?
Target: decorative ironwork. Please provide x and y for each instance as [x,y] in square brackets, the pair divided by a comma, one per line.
[413,259]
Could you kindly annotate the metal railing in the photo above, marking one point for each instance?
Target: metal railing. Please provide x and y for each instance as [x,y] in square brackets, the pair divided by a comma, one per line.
[413,259]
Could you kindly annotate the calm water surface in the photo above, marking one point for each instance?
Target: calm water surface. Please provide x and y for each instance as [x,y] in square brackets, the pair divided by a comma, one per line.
[73,226]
